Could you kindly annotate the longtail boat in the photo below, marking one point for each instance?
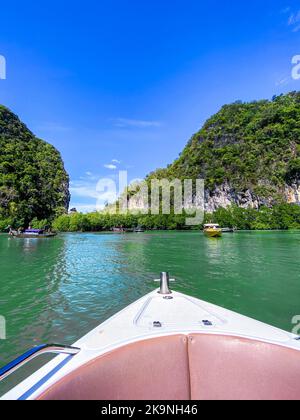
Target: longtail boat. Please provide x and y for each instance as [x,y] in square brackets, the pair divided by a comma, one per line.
[32,234]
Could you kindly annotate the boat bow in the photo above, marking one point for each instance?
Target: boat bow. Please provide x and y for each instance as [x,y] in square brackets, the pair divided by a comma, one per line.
[145,334]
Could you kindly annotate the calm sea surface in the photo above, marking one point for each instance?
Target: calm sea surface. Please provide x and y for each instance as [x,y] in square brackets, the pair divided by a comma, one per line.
[56,290]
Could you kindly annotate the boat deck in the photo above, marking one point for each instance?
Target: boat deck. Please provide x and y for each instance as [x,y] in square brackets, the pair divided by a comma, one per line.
[159,334]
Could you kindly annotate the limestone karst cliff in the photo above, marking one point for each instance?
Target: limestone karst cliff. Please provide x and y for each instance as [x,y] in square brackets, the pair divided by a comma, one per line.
[33,180]
[248,154]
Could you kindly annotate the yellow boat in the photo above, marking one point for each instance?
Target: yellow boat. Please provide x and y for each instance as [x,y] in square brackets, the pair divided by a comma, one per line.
[212,230]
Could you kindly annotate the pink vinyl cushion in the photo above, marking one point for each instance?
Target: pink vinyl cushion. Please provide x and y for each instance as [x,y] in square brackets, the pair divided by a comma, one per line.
[228,368]
[198,367]
[155,369]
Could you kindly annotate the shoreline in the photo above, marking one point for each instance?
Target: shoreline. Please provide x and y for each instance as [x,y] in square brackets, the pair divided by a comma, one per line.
[174,231]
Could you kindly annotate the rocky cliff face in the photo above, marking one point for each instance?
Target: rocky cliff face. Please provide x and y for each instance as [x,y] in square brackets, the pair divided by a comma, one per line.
[225,196]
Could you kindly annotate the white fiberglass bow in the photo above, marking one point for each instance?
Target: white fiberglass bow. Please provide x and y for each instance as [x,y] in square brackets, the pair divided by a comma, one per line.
[169,346]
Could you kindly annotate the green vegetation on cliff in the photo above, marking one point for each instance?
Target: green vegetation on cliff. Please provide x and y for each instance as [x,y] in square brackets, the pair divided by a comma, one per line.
[33,181]
[251,146]
[283,216]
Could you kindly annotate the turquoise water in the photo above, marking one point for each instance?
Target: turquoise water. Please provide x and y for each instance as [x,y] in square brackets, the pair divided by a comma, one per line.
[56,290]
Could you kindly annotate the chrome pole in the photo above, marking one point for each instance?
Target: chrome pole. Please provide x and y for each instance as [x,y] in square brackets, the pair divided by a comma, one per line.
[165,284]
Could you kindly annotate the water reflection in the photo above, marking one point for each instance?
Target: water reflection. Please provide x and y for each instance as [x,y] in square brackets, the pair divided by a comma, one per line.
[56,290]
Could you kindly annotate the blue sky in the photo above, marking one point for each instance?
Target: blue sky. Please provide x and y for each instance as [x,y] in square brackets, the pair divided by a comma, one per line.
[124,84]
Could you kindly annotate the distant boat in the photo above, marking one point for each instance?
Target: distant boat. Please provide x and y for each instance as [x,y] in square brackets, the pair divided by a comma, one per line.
[118,230]
[32,234]
[139,229]
[228,230]
[212,230]
[122,230]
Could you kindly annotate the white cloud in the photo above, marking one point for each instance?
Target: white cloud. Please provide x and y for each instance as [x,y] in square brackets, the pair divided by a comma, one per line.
[294,18]
[110,166]
[294,21]
[89,176]
[283,82]
[296,28]
[83,190]
[86,195]
[131,123]
[84,208]
[52,127]
[116,161]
